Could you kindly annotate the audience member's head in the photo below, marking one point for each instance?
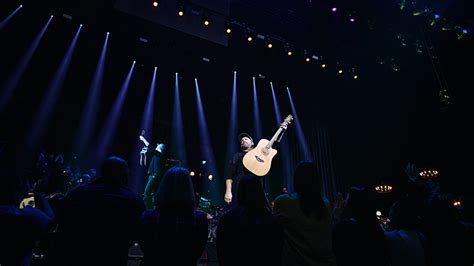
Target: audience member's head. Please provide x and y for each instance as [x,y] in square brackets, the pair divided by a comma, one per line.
[176,193]
[439,210]
[360,204]
[307,184]
[115,171]
[251,195]
[404,215]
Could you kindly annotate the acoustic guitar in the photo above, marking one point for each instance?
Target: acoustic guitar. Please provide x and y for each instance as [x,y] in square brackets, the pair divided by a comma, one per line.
[259,160]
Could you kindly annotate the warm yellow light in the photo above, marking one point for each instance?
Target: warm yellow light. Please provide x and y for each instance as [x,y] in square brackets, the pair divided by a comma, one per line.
[356,77]
[457,203]
[270,45]
[191,173]
[249,39]
[340,71]
[228,30]
[323,65]
[155,3]
[290,53]
[206,22]
[209,177]
[307,59]
[383,188]
[180,13]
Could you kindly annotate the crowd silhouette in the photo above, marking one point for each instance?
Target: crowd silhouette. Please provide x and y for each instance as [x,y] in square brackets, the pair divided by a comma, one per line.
[98,220]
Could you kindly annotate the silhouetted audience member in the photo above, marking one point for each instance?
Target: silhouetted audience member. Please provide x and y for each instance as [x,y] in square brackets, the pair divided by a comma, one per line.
[20,229]
[99,221]
[358,238]
[451,242]
[175,233]
[406,245]
[249,234]
[306,218]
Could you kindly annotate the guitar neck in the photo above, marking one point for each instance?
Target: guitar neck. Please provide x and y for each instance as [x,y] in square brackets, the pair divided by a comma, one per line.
[274,138]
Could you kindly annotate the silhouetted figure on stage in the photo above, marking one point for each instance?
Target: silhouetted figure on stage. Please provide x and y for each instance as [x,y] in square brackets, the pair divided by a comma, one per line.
[99,221]
[156,168]
[174,233]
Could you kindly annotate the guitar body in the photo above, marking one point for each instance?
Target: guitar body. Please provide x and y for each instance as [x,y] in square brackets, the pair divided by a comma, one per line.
[259,160]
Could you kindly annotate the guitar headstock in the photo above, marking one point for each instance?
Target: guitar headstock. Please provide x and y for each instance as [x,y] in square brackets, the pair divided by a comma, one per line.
[287,121]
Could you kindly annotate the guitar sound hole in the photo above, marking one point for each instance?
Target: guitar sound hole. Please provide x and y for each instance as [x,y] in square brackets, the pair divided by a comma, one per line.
[259,159]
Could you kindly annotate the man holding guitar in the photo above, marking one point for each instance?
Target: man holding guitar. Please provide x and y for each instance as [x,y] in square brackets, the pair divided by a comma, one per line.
[256,161]
[236,167]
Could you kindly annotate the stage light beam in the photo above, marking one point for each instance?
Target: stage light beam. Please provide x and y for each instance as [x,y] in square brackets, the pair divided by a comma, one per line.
[177,138]
[89,113]
[9,17]
[12,82]
[49,100]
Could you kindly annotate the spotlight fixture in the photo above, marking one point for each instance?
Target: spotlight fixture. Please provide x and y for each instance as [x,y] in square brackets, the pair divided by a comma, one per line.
[353,73]
[434,19]
[250,35]
[289,53]
[206,20]
[307,57]
[461,34]
[420,12]
[191,173]
[323,65]
[334,9]
[155,3]
[180,8]
[228,28]
[340,71]
[268,41]
[209,177]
